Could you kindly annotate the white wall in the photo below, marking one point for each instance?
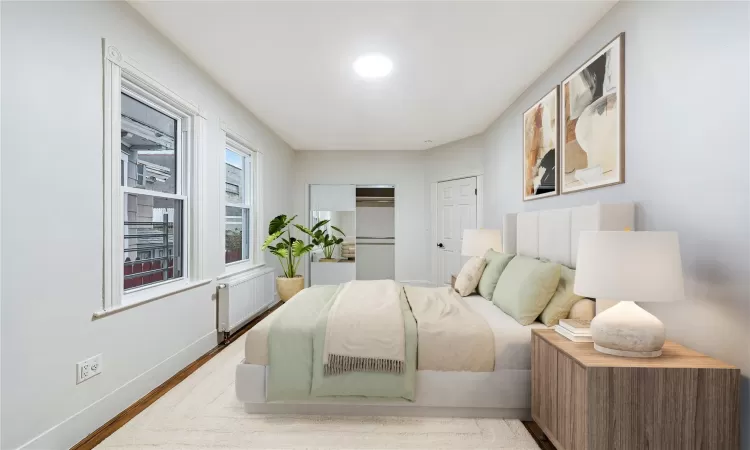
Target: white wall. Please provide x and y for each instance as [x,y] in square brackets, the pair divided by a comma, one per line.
[456,159]
[687,120]
[52,221]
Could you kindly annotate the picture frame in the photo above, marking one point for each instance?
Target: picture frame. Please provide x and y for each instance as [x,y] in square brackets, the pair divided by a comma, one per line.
[541,147]
[592,136]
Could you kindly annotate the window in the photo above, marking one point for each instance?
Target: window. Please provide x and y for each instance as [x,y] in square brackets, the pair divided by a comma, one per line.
[238,203]
[151,201]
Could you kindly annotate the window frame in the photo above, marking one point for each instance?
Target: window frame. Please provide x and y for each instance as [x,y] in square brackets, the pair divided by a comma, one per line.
[253,201]
[248,200]
[122,76]
[180,187]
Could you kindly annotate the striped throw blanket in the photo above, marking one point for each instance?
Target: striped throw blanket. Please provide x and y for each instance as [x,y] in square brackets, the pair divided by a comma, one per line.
[365,329]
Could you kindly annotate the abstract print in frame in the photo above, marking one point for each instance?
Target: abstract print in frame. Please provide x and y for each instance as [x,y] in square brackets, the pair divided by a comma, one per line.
[540,146]
[593,119]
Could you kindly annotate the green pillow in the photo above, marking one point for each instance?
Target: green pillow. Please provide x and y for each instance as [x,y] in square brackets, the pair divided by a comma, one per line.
[496,263]
[562,300]
[525,287]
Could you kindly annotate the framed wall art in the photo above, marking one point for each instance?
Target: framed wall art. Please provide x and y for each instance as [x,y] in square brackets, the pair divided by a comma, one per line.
[540,148]
[593,144]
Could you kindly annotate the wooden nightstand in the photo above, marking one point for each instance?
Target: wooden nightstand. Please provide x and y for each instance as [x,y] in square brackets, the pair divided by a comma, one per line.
[586,400]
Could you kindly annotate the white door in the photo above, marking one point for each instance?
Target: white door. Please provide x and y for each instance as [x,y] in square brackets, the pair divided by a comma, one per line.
[457,211]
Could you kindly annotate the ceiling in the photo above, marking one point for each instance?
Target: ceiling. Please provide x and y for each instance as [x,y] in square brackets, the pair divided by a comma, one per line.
[457,65]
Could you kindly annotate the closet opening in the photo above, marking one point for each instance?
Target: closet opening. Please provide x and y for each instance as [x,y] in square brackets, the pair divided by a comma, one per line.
[376,232]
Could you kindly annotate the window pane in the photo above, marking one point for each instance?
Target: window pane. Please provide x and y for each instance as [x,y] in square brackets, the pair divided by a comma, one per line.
[235,182]
[237,235]
[148,143]
[153,239]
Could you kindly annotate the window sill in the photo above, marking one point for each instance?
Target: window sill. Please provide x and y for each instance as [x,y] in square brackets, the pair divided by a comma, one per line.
[149,295]
[242,270]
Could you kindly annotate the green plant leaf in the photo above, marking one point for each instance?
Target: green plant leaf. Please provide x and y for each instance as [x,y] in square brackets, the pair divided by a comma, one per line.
[320,224]
[299,248]
[279,222]
[304,229]
[280,252]
[271,238]
[338,229]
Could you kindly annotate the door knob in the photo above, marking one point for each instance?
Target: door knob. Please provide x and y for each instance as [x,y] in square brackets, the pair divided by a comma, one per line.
[440,245]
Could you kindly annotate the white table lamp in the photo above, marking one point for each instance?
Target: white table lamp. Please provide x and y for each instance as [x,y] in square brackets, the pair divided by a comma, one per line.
[477,242]
[629,266]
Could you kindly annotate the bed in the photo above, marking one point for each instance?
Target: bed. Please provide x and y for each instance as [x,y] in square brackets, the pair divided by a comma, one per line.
[505,391]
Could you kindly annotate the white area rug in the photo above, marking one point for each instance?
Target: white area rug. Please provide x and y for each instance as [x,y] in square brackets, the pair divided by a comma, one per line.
[202,412]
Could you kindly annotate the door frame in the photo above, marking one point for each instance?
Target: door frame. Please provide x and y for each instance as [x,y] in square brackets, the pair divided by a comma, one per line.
[434,218]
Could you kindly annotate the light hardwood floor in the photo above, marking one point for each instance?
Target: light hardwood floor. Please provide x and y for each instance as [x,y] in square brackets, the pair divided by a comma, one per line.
[203,412]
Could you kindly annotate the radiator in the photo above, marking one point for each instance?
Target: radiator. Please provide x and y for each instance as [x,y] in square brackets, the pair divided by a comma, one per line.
[242,299]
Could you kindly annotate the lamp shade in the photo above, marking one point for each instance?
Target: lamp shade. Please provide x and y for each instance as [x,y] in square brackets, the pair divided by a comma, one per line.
[477,242]
[641,266]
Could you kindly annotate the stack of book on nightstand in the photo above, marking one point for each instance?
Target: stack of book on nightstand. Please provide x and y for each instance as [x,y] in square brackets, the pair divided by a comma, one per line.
[574,329]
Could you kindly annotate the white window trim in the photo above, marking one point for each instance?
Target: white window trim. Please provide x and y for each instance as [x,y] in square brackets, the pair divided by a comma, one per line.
[236,142]
[121,73]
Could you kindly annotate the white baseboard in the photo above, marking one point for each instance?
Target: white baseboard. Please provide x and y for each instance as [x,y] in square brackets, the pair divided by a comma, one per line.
[76,427]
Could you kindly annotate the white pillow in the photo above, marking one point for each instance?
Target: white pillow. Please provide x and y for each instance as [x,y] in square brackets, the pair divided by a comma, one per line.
[468,279]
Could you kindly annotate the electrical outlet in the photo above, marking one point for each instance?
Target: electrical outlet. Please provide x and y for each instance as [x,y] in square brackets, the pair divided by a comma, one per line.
[89,368]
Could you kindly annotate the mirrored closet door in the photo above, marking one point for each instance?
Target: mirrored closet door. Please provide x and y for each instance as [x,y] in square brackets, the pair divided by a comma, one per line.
[334,259]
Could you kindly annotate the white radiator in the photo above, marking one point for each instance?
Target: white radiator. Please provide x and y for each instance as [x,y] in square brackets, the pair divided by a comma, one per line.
[243,298]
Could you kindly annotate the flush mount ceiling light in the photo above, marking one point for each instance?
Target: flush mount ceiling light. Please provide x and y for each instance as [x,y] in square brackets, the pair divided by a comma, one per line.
[373,65]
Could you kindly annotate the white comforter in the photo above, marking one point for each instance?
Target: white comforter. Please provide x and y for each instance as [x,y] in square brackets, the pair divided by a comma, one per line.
[452,336]
[512,341]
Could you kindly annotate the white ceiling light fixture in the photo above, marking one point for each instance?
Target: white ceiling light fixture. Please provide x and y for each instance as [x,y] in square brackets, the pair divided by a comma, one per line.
[373,66]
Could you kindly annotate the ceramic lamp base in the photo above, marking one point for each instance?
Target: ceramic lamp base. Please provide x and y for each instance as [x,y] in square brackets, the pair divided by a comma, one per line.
[628,330]
[627,354]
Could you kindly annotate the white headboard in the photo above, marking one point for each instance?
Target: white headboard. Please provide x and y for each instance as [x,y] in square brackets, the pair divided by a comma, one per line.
[553,234]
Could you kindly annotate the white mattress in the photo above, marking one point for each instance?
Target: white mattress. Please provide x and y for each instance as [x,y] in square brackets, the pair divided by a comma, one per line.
[512,340]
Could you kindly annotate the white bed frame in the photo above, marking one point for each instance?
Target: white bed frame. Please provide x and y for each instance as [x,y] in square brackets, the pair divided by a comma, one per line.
[550,234]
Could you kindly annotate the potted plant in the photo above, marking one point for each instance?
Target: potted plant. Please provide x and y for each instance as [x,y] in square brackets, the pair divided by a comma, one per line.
[289,251]
[321,238]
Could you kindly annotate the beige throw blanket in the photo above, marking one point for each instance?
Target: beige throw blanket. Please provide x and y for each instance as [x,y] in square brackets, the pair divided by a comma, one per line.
[452,336]
[365,330]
